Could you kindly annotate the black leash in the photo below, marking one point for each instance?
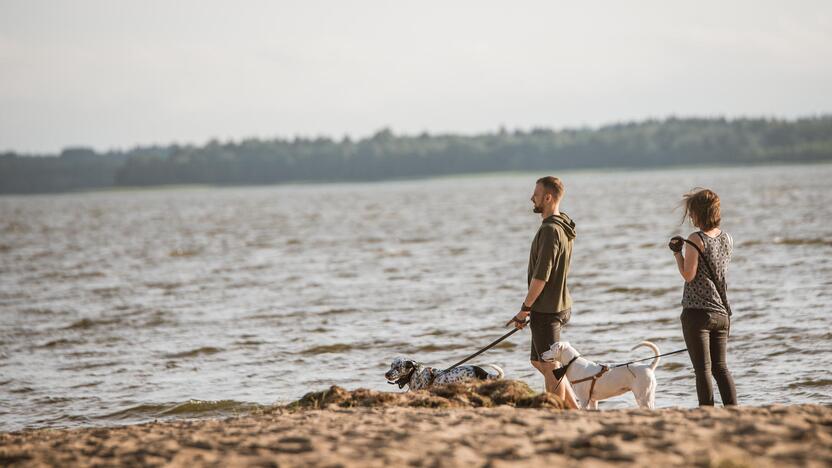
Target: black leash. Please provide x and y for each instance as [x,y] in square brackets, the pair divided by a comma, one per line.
[493,343]
[648,358]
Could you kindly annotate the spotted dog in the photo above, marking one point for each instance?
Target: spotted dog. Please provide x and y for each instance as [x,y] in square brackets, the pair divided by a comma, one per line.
[407,372]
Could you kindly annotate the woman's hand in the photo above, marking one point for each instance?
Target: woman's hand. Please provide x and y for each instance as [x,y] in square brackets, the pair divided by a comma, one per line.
[676,243]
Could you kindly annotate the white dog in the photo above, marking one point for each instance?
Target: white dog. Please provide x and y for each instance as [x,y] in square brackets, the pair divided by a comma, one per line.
[637,378]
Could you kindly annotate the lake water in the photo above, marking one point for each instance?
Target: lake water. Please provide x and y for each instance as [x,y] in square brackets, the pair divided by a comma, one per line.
[120,307]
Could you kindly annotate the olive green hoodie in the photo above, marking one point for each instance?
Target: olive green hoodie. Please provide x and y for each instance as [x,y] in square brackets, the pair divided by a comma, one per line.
[549,261]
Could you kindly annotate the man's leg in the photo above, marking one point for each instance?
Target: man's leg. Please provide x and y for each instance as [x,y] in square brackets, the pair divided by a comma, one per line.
[545,330]
[568,394]
[546,369]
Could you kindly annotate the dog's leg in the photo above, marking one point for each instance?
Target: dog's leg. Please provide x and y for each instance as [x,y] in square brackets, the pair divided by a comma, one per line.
[643,400]
[651,392]
[644,391]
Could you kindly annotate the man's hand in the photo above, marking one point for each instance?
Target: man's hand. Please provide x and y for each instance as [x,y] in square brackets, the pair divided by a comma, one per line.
[519,319]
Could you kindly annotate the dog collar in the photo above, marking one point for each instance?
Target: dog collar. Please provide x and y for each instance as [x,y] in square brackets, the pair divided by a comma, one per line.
[402,381]
[561,371]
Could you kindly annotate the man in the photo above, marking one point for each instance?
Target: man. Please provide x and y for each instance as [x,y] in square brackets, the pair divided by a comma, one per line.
[547,302]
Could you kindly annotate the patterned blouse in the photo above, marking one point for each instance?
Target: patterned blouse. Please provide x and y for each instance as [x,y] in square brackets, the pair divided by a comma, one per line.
[701,293]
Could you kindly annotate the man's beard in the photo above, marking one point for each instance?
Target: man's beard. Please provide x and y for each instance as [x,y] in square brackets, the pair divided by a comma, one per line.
[537,209]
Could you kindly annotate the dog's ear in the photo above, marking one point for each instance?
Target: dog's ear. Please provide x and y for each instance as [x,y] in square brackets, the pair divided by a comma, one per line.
[409,364]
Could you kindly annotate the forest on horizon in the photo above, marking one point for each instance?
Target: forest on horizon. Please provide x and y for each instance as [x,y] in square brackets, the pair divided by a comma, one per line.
[385,155]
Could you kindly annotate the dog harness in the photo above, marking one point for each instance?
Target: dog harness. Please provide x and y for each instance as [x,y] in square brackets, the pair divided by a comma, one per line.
[560,373]
[593,378]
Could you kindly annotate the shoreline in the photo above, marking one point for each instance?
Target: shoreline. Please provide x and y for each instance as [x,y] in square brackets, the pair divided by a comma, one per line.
[771,435]
[415,179]
[488,423]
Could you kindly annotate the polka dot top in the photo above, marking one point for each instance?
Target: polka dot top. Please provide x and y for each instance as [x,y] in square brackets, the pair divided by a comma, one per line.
[701,293]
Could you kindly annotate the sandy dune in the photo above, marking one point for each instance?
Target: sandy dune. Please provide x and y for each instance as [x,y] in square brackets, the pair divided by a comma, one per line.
[393,435]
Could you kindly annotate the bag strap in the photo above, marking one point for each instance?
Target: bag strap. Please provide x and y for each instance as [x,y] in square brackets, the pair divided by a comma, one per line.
[719,285]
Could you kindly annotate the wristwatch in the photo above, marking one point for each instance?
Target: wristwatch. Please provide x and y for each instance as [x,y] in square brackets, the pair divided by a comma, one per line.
[525,308]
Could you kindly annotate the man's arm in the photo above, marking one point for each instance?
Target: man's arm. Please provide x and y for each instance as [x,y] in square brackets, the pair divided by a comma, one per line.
[535,288]
[541,272]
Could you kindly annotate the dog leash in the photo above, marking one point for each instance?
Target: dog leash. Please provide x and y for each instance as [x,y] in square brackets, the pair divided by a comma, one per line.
[648,358]
[491,345]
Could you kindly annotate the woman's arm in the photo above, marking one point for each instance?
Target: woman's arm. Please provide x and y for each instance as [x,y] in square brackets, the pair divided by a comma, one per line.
[687,264]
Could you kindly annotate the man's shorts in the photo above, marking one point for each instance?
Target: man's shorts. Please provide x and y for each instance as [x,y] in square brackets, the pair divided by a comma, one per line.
[546,331]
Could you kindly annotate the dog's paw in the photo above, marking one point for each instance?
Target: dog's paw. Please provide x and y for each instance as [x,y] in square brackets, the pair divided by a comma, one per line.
[548,356]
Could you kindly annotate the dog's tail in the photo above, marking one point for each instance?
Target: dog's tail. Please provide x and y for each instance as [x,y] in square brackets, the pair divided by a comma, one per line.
[500,373]
[655,349]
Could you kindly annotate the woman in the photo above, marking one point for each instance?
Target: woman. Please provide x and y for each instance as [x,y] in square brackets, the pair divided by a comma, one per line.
[705,310]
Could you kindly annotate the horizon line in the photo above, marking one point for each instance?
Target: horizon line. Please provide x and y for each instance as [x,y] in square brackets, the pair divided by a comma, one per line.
[353,138]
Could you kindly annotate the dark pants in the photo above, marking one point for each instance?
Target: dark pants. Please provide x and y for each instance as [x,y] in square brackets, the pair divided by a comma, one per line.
[706,336]
[546,331]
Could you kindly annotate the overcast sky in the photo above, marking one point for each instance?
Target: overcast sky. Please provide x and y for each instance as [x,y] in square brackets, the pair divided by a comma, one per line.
[115,74]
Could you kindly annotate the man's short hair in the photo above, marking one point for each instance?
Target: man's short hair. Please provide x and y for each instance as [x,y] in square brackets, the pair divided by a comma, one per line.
[553,185]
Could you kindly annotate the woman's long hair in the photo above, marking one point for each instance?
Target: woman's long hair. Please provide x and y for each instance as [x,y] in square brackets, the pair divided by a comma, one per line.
[702,207]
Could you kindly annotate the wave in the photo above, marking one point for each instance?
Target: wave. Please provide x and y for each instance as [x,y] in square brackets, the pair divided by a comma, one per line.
[338,311]
[190,408]
[397,346]
[789,241]
[811,383]
[61,342]
[86,323]
[332,348]
[207,350]
[656,292]
[184,252]
[436,332]
[300,313]
[430,348]
[672,366]
[90,365]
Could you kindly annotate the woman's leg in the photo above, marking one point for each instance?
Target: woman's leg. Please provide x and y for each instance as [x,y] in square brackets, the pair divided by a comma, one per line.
[719,362]
[697,338]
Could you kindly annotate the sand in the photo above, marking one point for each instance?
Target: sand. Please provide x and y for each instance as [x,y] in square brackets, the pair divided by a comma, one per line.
[377,429]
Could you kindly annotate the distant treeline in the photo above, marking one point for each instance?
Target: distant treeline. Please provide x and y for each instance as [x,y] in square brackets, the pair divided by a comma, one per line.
[384,155]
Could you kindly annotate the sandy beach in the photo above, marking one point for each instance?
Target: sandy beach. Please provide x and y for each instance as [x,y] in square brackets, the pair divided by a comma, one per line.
[445,428]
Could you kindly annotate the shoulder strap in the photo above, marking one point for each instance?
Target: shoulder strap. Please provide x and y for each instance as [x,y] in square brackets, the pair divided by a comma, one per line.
[720,285]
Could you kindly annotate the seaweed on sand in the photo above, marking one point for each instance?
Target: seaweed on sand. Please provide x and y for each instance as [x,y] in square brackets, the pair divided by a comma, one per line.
[460,395]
